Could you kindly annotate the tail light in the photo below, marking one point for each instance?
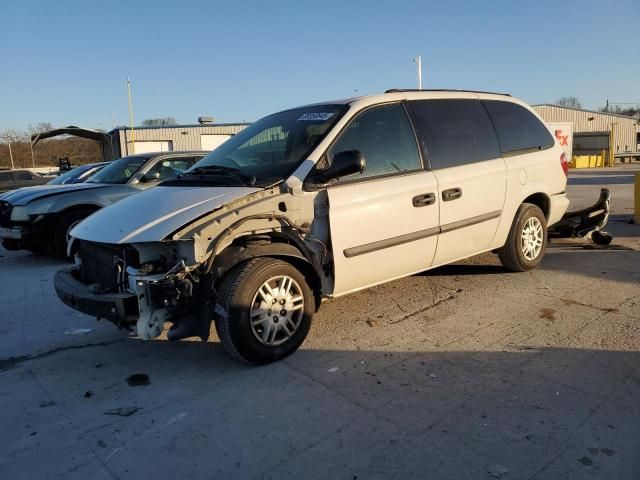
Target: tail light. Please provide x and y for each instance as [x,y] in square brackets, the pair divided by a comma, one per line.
[564,164]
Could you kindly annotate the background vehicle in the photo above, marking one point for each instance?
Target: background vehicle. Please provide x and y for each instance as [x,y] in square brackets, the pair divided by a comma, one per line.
[40,218]
[316,202]
[78,174]
[12,179]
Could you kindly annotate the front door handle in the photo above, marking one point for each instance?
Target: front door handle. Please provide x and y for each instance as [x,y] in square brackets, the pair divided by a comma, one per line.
[451,194]
[424,200]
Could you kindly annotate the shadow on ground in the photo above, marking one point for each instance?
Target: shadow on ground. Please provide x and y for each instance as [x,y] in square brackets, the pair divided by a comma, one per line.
[527,413]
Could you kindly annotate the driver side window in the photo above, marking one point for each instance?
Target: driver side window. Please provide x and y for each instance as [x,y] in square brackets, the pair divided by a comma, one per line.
[384,136]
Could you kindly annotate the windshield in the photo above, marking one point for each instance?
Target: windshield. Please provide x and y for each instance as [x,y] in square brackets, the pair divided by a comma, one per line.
[73,175]
[118,171]
[270,149]
[66,176]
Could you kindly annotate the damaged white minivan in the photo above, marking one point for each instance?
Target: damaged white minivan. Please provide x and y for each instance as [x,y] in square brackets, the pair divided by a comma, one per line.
[317,202]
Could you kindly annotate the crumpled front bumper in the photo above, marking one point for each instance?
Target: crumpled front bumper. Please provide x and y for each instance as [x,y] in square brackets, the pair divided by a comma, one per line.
[119,308]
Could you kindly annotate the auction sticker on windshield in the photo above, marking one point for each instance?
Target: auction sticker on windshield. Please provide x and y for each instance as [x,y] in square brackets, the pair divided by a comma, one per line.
[316,116]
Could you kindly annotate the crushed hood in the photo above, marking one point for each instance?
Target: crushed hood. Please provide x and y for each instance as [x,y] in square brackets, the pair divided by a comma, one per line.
[152,215]
[23,196]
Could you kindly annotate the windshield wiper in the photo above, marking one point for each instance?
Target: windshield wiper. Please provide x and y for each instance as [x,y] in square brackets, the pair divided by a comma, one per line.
[220,170]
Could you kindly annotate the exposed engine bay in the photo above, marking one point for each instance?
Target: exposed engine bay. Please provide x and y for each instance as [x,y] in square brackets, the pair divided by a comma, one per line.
[174,280]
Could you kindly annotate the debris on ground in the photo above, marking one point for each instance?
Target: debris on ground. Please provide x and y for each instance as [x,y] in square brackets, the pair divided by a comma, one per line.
[333,370]
[47,403]
[88,394]
[585,461]
[138,380]
[497,471]
[78,331]
[608,452]
[122,411]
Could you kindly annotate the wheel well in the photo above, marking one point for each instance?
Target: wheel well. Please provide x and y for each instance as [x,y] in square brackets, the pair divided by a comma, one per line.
[93,208]
[274,246]
[541,200]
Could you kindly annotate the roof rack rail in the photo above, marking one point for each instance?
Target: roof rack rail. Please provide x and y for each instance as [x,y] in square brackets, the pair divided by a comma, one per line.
[400,90]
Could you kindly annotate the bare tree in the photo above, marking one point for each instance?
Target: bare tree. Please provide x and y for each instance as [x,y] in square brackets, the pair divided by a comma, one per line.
[617,109]
[570,102]
[159,122]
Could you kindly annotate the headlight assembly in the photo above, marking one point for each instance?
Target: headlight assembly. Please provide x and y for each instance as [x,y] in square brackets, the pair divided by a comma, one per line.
[20,214]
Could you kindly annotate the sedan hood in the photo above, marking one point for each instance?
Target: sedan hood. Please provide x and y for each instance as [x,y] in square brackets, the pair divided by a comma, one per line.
[152,215]
[23,196]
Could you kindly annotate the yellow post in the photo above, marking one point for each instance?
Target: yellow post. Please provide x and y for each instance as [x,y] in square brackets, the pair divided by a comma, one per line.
[611,142]
[636,201]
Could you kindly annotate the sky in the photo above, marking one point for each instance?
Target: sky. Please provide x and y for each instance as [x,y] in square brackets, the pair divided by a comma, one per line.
[67,62]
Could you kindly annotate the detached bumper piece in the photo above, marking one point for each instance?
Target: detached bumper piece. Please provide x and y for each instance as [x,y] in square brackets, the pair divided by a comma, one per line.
[587,222]
[119,308]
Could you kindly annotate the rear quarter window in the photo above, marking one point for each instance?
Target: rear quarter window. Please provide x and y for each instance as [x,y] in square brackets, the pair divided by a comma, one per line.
[517,128]
[454,132]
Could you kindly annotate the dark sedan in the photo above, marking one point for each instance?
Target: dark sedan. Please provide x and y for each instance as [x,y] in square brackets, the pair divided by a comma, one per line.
[12,179]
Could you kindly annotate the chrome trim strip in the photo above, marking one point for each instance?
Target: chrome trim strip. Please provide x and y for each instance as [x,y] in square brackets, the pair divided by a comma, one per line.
[412,237]
[470,221]
[390,242]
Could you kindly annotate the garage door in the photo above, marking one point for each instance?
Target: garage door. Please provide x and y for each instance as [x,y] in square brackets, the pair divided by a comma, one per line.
[150,146]
[212,141]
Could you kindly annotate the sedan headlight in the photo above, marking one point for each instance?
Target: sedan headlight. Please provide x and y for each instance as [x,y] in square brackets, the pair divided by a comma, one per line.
[19,214]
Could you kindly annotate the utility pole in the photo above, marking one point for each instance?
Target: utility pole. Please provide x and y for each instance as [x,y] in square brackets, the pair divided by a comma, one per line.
[10,152]
[33,157]
[113,119]
[133,133]
[418,60]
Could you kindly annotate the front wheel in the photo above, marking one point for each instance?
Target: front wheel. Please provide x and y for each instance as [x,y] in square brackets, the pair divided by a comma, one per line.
[527,240]
[268,308]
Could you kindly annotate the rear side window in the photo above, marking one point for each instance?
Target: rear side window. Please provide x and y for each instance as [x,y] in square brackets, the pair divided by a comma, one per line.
[517,127]
[454,132]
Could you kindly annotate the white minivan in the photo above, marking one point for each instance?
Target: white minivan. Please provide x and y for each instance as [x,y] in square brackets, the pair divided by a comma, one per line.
[317,202]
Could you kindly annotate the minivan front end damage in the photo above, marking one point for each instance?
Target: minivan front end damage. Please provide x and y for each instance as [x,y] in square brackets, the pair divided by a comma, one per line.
[140,286]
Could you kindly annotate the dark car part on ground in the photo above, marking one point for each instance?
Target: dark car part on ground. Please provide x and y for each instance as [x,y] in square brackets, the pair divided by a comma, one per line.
[586,222]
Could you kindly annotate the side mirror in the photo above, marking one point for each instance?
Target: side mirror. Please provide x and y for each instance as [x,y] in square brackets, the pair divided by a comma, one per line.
[344,163]
[150,177]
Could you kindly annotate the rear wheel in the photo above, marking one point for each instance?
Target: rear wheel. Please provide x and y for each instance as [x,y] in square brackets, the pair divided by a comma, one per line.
[527,240]
[65,224]
[269,306]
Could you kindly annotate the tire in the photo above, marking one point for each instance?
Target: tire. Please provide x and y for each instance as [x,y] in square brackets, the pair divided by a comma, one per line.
[520,254]
[239,296]
[65,223]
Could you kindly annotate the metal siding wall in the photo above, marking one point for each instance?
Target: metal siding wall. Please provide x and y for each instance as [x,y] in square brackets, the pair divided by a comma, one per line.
[624,132]
[180,141]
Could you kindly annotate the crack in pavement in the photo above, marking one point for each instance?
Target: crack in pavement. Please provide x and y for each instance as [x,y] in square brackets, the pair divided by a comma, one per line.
[422,310]
[12,362]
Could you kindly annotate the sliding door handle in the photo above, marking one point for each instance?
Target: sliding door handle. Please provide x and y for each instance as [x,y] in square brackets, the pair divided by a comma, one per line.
[424,200]
[451,194]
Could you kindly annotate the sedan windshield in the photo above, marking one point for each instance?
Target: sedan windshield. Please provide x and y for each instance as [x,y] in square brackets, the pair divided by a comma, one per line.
[270,149]
[75,175]
[119,171]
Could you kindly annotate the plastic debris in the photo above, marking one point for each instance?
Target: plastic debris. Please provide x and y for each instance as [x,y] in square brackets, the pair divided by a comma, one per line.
[497,471]
[122,411]
[333,370]
[78,331]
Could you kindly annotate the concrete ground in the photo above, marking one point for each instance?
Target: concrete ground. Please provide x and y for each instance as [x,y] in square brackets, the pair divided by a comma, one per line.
[465,371]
